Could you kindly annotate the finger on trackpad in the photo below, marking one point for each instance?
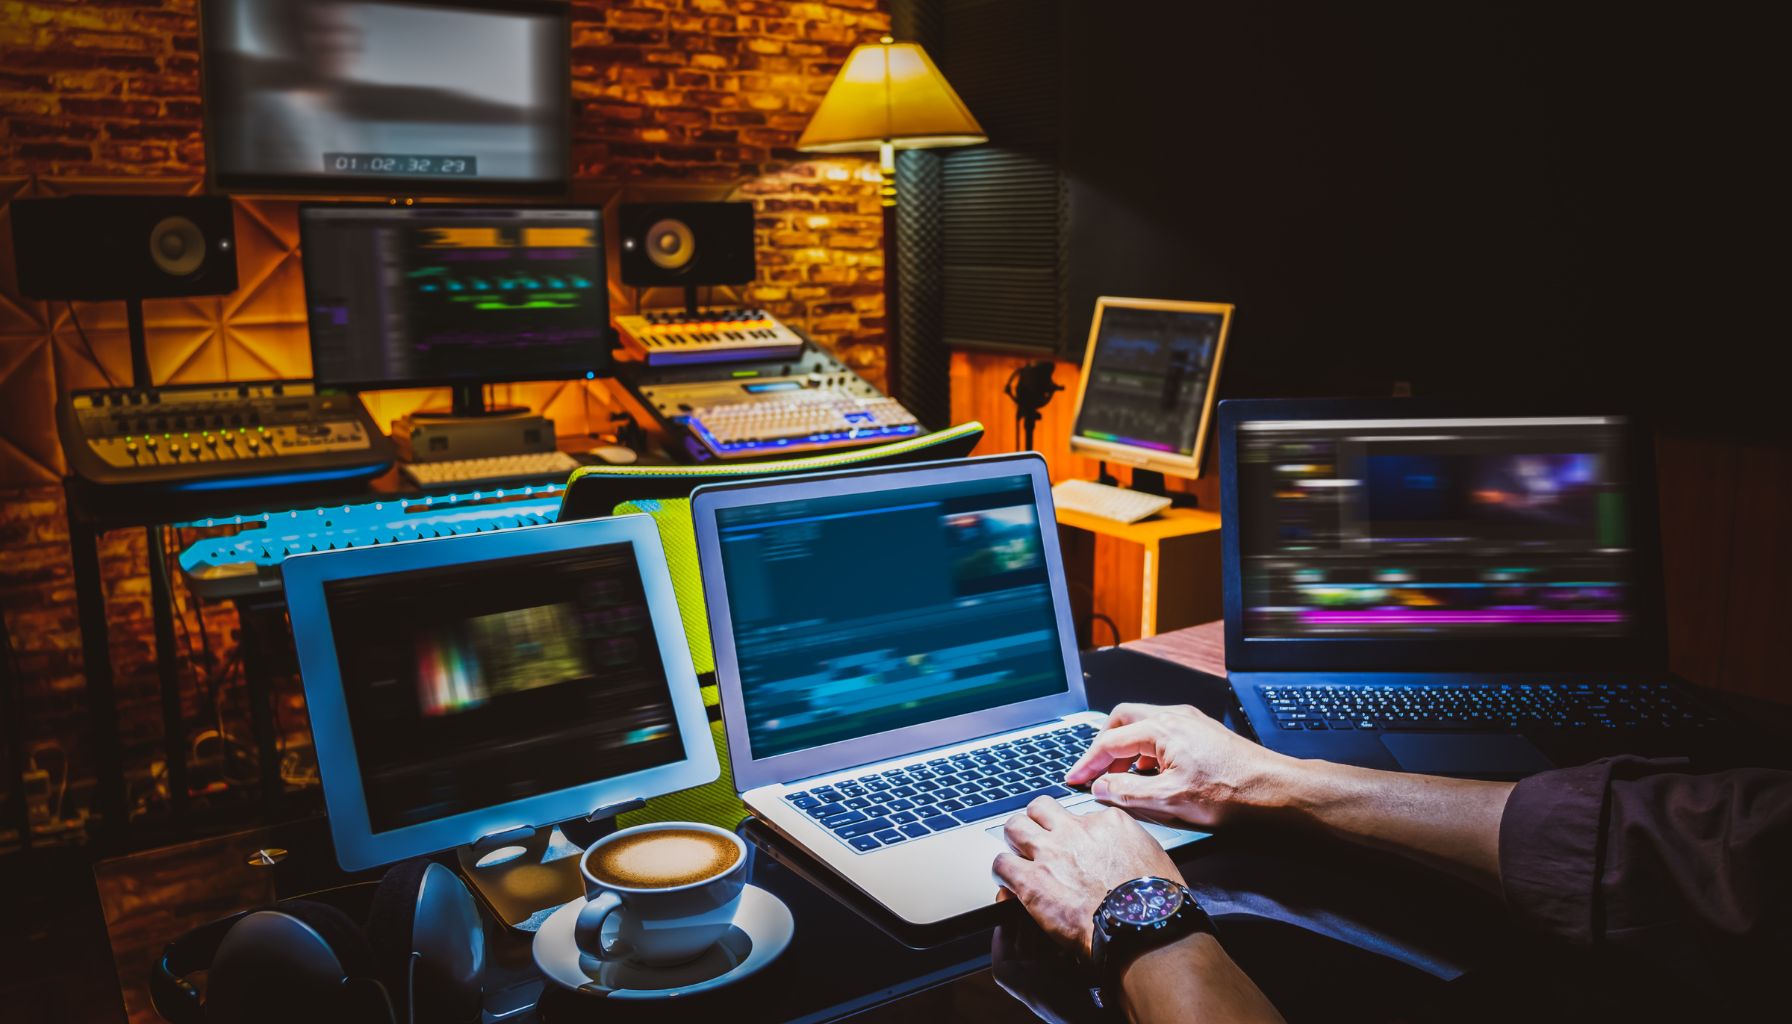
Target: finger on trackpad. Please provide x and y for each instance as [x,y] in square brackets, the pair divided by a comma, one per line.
[1465,754]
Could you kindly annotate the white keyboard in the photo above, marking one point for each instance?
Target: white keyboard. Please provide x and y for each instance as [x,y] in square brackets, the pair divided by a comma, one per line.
[1116,503]
[494,469]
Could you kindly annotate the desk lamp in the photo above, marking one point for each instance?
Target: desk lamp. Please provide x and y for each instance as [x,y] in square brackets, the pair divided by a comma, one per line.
[889,96]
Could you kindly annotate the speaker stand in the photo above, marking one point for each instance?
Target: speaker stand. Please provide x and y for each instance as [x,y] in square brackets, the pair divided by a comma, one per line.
[133,318]
[468,403]
[690,301]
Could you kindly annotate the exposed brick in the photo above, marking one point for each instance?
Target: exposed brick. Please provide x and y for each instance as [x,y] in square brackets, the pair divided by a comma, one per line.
[667,90]
[135,109]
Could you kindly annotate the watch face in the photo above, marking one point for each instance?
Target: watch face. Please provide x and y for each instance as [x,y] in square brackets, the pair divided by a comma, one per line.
[1146,901]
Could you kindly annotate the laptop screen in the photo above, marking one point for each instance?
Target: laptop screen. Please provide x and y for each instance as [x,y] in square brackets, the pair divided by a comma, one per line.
[860,613]
[470,686]
[1440,528]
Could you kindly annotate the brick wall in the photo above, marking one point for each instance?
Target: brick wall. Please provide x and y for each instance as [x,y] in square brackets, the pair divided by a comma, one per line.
[665,90]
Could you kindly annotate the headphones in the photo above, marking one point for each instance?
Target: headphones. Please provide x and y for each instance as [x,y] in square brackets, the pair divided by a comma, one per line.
[418,955]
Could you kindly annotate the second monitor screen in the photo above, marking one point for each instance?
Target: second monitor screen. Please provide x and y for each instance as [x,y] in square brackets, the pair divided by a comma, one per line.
[477,685]
[1149,374]
[447,296]
[864,613]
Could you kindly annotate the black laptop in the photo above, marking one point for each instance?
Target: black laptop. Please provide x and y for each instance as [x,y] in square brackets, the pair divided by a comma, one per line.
[1449,589]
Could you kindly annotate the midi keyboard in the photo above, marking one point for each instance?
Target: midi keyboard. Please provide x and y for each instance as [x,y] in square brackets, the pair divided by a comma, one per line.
[249,562]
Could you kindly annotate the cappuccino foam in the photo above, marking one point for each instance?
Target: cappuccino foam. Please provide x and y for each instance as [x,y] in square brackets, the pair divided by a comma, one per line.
[663,859]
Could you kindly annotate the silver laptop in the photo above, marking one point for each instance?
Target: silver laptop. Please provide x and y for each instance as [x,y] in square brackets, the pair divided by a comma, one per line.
[898,668]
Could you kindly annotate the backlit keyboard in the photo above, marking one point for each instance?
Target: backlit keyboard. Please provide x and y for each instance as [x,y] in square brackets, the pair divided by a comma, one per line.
[1482,707]
[885,808]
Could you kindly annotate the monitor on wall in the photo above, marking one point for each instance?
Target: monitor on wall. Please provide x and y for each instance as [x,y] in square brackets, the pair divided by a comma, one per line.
[387,97]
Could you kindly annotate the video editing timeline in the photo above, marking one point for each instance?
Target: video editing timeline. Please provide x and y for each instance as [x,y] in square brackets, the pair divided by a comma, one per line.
[947,610]
[451,295]
[1461,527]
[495,681]
[1148,378]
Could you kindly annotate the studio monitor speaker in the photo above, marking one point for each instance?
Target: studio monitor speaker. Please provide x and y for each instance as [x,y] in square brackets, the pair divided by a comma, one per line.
[124,247]
[686,243]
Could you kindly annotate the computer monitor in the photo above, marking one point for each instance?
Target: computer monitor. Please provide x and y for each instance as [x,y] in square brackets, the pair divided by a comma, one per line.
[388,97]
[1359,528]
[449,295]
[472,686]
[1148,383]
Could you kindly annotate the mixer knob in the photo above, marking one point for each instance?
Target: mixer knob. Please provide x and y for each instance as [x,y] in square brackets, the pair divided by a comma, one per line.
[151,442]
[254,443]
[193,447]
[130,448]
[174,452]
[211,442]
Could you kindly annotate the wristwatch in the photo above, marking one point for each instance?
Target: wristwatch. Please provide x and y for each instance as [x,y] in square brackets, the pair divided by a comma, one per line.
[1136,917]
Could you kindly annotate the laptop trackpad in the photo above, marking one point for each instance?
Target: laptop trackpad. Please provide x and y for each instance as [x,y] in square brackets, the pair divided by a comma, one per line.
[1164,835]
[1465,754]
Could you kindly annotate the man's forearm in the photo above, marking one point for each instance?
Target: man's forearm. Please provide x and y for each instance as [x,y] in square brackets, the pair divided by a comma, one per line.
[1452,824]
[1191,980]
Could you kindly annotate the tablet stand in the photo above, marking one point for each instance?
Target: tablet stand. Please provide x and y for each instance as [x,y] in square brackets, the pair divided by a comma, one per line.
[524,874]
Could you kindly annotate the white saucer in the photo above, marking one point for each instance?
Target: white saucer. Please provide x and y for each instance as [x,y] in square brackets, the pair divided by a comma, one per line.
[762,929]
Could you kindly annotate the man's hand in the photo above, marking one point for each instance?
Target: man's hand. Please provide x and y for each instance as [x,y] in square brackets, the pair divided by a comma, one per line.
[1205,773]
[1063,864]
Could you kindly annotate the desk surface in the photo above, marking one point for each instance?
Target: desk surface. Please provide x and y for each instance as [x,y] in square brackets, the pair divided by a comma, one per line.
[1171,522]
[848,955]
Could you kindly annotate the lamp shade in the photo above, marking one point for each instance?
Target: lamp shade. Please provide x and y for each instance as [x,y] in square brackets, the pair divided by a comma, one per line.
[889,92]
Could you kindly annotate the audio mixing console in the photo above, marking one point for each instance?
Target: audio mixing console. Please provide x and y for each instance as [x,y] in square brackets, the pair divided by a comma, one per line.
[213,436]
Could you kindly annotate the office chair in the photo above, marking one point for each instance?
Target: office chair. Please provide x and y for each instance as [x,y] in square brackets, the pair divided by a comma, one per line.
[664,492]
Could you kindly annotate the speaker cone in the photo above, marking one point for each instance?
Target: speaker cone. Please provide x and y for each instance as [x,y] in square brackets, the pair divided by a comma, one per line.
[670,244]
[177,246]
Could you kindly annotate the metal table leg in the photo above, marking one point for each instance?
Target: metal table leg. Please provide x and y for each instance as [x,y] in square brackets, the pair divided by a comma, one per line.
[256,618]
[96,666]
[174,723]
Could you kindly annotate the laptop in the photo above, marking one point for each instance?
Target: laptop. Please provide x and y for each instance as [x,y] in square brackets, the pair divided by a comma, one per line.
[898,669]
[1448,589]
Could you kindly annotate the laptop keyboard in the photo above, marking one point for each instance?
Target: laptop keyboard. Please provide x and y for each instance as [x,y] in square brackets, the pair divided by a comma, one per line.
[895,806]
[1481,707]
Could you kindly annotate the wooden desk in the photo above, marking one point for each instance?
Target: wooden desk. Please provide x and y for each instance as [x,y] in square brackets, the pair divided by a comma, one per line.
[1149,577]
[1202,648]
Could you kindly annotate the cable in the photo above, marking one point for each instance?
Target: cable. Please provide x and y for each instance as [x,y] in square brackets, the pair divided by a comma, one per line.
[1095,617]
[88,345]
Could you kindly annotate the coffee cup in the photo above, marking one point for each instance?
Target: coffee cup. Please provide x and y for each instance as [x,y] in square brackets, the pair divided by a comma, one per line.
[674,886]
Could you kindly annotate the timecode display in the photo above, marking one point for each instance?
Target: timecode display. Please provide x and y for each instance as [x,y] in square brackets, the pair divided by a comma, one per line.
[401,164]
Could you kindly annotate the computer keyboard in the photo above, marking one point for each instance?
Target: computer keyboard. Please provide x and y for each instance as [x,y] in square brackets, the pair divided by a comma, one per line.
[501,467]
[894,806]
[1116,503]
[1482,707]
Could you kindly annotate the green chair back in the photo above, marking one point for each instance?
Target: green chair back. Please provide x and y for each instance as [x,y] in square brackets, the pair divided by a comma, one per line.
[664,493]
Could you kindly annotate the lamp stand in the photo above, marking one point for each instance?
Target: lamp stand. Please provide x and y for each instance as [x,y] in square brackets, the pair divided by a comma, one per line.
[886,153]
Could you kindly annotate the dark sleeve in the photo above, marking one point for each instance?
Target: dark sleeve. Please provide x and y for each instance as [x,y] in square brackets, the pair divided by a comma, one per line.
[1637,854]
